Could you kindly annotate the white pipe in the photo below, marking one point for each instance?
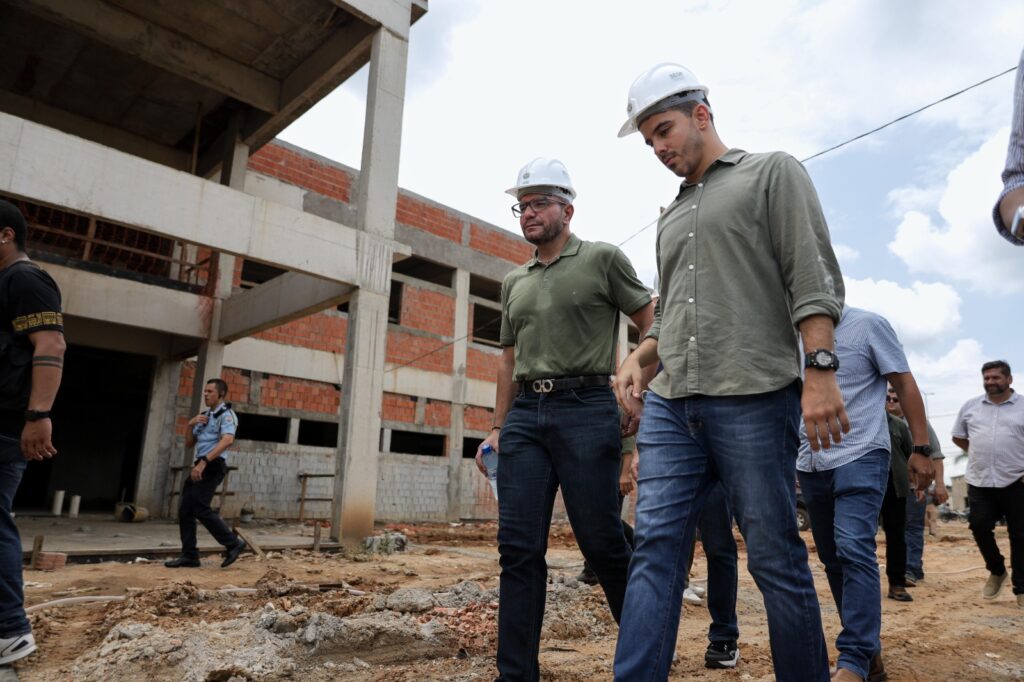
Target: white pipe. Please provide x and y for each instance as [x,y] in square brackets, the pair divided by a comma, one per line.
[58,502]
[105,598]
[76,501]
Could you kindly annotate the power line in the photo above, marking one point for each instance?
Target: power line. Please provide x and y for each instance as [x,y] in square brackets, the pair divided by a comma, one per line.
[870,132]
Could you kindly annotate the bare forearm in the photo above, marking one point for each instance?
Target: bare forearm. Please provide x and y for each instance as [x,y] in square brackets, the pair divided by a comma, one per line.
[940,473]
[962,443]
[1008,206]
[47,370]
[818,332]
[646,355]
[506,388]
[219,449]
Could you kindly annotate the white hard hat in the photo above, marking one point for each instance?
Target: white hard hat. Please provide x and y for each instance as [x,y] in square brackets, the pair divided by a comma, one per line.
[655,84]
[545,176]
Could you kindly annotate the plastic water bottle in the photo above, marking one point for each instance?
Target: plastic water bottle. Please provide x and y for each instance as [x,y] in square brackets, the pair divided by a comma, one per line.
[490,458]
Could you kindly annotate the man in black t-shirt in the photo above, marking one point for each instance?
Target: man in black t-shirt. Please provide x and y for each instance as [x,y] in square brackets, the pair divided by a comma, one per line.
[31,364]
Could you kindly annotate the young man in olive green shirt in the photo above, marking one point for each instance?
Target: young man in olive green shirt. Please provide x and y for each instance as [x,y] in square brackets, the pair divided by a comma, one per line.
[745,260]
[556,422]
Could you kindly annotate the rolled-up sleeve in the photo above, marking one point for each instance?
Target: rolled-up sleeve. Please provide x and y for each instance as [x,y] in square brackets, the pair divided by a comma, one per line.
[1013,174]
[802,244]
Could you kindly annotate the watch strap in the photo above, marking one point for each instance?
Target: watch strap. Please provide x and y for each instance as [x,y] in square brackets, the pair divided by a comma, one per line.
[36,415]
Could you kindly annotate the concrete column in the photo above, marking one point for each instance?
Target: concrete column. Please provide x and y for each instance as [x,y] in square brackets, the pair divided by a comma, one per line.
[457,431]
[293,431]
[158,437]
[355,480]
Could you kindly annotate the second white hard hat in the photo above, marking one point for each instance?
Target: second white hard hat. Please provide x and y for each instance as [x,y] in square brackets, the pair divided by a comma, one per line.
[546,175]
[655,84]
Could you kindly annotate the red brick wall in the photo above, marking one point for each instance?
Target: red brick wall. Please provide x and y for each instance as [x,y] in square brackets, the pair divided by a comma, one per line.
[428,218]
[398,408]
[297,169]
[482,365]
[478,418]
[438,413]
[321,331]
[404,347]
[499,245]
[299,394]
[428,310]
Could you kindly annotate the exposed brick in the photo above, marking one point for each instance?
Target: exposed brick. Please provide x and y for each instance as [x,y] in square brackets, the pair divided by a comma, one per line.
[483,365]
[428,218]
[428,310]
[50,561]
[303,171]
[478,418]
[398,408]
[419,351]
[325,331]
[499,244]
[438,413]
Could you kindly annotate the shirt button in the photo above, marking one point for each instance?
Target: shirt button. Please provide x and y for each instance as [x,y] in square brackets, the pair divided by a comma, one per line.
[691,234]
[693,338]
[689,300]
[691,266]
[700,184]
[694,206]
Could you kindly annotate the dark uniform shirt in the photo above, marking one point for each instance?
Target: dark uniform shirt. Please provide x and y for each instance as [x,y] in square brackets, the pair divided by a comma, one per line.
[29,302]
[902,447]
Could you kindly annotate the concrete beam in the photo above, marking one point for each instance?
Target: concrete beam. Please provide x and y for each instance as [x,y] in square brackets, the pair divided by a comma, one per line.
[129,303]
[47,166]
[394,15]
[160,47]
[34,110]
[282,299]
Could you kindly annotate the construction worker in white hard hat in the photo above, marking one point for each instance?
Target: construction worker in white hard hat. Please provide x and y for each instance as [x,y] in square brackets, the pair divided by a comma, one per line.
[744,260]
[556,423]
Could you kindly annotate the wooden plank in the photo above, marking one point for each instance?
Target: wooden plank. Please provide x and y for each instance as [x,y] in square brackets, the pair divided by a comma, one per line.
[316,536]
[249,541]
[160,47]
[37,547]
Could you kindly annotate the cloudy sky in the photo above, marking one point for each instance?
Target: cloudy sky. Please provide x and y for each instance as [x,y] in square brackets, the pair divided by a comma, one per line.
[495,83]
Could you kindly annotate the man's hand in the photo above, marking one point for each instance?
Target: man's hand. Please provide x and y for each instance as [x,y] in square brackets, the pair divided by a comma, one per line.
[922,473]
[941,495]
[198,419]
[492,439]
[630,422]
[824,413]
[634,467]
[35,440]
[198,469]
[628,385]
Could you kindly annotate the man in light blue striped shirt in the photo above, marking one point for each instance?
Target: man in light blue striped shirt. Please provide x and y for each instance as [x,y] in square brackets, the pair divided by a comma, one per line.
[1011,199]
[843,485]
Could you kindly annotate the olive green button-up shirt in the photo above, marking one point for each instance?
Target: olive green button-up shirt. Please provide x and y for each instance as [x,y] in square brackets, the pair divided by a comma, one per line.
[743,256]
[563,317]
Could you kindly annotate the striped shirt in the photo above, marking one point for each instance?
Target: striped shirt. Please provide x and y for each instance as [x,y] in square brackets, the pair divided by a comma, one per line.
[1013,175]
[995,458]
[868,350]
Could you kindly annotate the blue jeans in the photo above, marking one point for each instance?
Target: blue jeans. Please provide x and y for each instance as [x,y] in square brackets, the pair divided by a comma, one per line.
[13,620]
[716,537]
[915,536]
[567,439]
[686,445]
[844,504]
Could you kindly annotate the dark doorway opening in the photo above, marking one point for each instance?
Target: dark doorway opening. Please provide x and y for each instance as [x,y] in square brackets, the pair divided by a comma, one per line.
[98,422]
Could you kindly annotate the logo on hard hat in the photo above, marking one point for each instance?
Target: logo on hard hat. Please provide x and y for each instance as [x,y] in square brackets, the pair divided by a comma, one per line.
[526,175]
[676,75]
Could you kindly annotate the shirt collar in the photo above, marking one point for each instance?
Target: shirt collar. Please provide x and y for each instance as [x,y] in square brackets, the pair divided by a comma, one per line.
[730,158]
[1011,399]
[571,248]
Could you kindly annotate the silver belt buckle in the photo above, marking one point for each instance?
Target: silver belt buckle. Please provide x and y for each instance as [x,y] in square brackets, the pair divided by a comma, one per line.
[543,385]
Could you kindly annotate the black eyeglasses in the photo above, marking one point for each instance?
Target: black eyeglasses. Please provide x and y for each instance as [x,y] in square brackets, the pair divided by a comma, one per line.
[537,205]
[891,399]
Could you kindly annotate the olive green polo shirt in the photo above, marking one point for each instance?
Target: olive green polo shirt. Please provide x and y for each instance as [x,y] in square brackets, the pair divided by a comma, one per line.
[743,256]
[563,317]
[902,447]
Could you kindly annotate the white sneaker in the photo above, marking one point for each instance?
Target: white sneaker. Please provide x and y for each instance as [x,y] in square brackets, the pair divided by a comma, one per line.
[14,648]
[698,590]
[691,597]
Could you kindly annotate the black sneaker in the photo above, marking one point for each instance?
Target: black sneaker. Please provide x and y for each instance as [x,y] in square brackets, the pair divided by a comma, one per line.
[234,550]
[587,576]
[722,655]
[183,562]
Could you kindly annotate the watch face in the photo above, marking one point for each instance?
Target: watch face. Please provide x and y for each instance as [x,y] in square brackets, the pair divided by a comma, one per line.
[823,358]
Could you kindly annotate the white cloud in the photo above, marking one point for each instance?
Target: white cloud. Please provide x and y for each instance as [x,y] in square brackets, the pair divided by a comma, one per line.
[920,314]
[957,239]
[845,253]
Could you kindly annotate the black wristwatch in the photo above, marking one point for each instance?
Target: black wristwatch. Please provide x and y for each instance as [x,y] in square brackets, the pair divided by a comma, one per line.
[36,415]
[925,450]
[821,359]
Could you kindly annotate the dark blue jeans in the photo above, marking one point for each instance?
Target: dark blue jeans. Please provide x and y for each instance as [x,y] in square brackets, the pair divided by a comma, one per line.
[844,504]
[716,537]
[915,536]
[13,621]
[567,439]
[686,445]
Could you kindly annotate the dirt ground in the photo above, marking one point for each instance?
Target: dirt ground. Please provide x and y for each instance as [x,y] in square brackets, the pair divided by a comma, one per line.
[428,613]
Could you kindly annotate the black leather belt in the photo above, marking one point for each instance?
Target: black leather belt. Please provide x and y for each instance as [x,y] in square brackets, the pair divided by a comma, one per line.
[563,384]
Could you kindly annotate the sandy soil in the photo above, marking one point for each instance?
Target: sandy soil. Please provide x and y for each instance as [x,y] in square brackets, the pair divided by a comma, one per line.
[174,625]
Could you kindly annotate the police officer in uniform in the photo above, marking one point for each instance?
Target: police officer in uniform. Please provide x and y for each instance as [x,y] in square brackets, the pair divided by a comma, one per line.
[211,432]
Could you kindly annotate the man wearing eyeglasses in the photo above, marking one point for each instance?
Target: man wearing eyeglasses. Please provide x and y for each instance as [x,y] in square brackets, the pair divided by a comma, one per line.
[918,509]
[556,422]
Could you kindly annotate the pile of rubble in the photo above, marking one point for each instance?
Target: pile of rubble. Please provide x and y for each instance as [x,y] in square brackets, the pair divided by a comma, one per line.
[290,629]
